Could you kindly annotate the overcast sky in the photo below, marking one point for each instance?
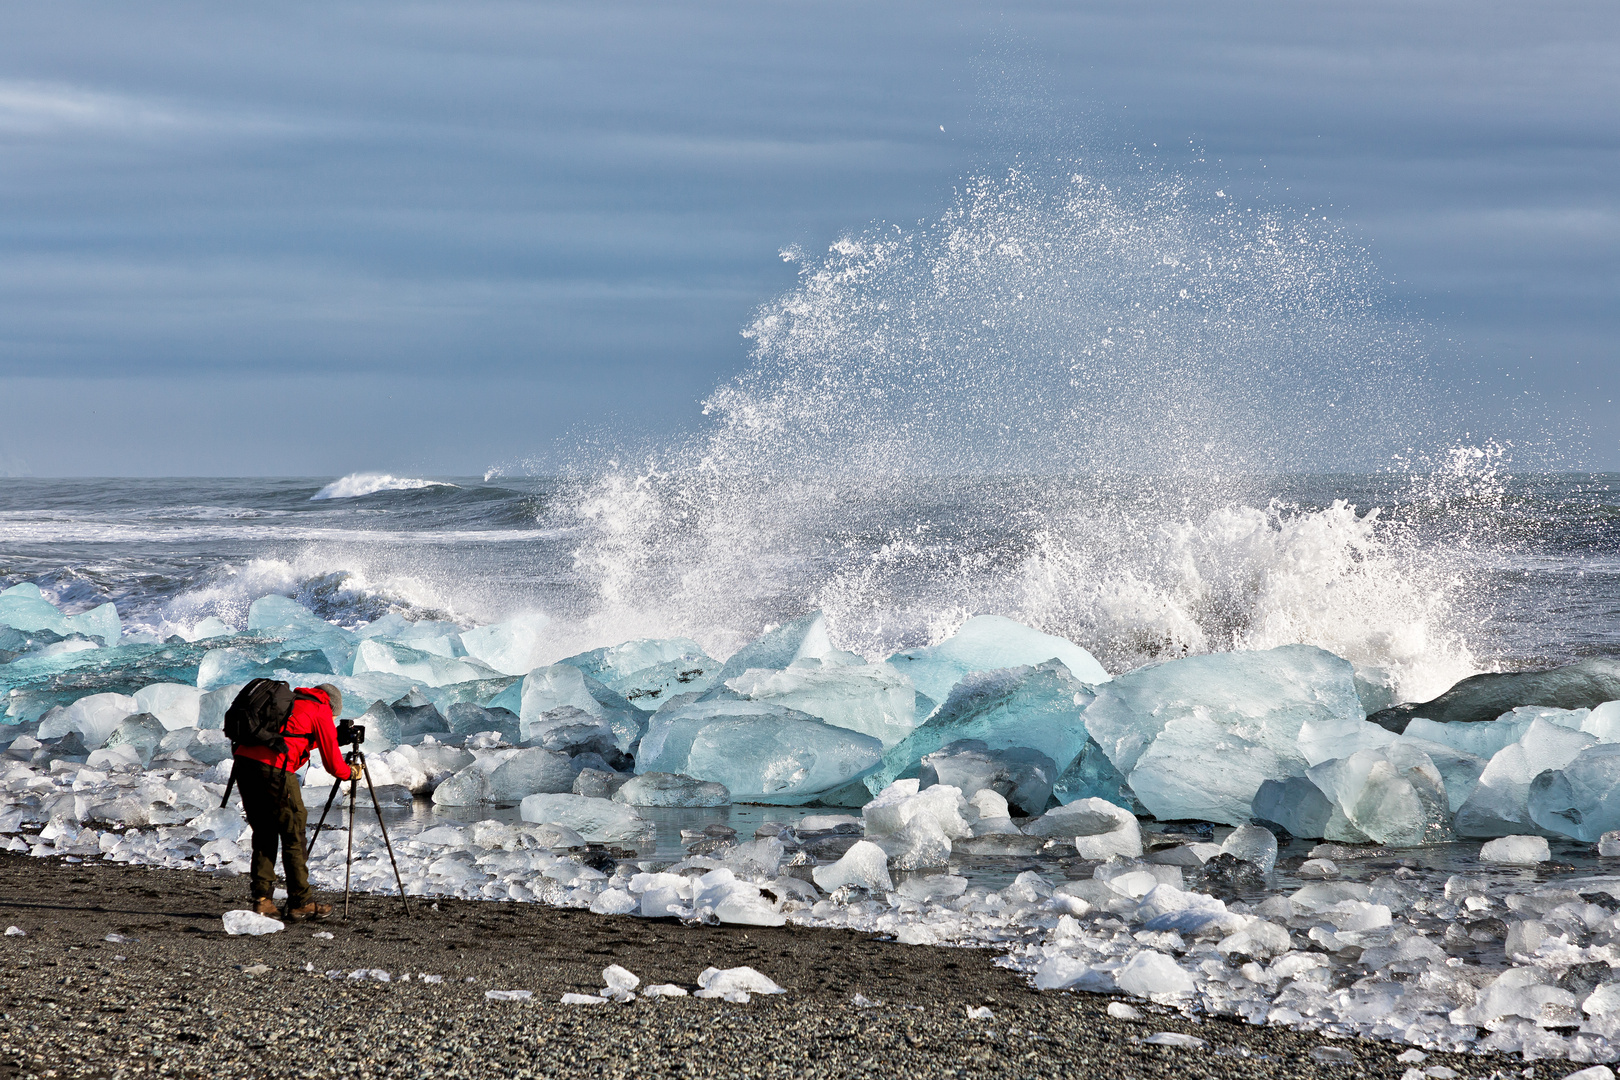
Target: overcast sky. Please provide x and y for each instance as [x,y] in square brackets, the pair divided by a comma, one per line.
[317,238]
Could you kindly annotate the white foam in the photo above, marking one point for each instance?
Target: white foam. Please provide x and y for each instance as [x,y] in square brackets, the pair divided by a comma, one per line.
[359,484]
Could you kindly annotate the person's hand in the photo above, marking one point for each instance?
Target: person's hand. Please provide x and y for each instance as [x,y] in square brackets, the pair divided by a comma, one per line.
[357,770]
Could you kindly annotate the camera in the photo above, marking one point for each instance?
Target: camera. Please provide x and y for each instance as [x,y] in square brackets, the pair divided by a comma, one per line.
[350,733]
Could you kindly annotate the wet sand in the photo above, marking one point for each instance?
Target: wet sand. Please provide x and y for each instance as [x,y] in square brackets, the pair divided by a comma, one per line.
[181,998]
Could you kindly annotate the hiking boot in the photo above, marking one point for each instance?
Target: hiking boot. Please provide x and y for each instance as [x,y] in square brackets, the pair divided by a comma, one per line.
[311,911]
[264,905]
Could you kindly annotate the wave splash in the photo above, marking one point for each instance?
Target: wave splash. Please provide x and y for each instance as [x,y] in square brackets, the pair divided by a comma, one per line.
[359,484]
[1058,402]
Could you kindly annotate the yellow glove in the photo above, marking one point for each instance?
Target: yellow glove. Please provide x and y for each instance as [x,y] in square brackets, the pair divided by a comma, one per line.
[357,771]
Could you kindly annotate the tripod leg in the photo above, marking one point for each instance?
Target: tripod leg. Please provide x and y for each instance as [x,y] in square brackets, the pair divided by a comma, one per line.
[330,798]
[386,843]
[348,859]
[229,783]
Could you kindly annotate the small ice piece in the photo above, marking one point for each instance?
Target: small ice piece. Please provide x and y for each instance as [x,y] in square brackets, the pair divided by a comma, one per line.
[1253,845]
[720,982]
[1333,1055]
[1100,829]
[658,990]
[864,865]
[1153,974]
[1582,799]
[1609,844]
[511,995]
[94,717]
[324,935]
[119,939]
[1261,940]
[1594,1072]
[16,931]
[176,705]
[981,1012]
[1413,1056]
[920,844]
[621,983]
[1319,868]
[861,1001]
[816,823]
[1500,804]
[671,789]
[250,922]
[1391,795]
[597,820]
[1121,1011]
[897,805]
[988,643]
[1516,850]
[1176,1039]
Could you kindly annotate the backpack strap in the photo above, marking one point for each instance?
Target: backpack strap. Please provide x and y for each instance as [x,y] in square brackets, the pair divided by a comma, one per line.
[300,695]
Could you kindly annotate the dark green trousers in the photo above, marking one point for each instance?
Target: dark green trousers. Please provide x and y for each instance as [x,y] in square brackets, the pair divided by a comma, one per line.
[273,803]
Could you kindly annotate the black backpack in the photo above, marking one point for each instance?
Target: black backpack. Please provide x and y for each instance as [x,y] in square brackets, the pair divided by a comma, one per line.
[259,715]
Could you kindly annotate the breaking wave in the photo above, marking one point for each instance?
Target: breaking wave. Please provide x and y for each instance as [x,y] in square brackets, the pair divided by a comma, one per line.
[358,484]
[1066,402]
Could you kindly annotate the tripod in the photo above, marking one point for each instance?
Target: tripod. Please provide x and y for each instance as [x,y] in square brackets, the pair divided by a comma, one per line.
[356,758]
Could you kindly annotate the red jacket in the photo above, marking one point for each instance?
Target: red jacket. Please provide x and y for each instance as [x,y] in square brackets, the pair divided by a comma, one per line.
[309,725]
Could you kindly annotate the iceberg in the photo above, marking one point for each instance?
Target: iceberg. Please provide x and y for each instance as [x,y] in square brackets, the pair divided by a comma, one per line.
[1581,799]
[649,671]
[1297,805]
[1485,697]
[1500,803]
[1161,726]
[572,731]
[549,688]
[1035,708]
[512,647]
[802,638]
[599,821]
[1020,775]
[1391,796]
[1092,775]
[873,699]
[760,752]
[670,789]
[24,607]
[532,772]
[989,643]
[429,669]
[466,718]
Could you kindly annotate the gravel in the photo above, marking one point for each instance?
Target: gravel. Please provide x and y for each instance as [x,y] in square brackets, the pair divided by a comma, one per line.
[179,997]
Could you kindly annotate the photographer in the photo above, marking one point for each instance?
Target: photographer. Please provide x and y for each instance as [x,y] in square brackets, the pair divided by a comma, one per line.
[274,804]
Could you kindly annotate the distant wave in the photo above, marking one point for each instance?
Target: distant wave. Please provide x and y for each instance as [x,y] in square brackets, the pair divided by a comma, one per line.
[369,483]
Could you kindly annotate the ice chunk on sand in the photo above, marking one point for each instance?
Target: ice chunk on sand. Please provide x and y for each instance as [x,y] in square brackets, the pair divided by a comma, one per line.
[512,647]
[175,704]
[532,772]
[759,751]
[1036,708]
[94,717]
[715,982]
[1582,799]
[1500,804]
[873,699]
[1153,974]
[251,922]
[864,866]
[664,990]
[1021,775]
[599,821]
[1100,829]
[671,789]
[987,643]
[620,983]
[1161,725]
[1516,850]
[898,804]
[803,638]
[1391,796]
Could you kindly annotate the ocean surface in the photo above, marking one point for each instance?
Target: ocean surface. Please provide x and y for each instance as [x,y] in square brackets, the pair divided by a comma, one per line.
[1428,577]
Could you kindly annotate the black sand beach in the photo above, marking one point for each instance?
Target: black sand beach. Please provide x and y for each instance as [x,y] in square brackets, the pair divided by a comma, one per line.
[181,998]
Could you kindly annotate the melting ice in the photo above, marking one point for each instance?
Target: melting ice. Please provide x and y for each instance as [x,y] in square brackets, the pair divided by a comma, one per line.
[1227,832]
